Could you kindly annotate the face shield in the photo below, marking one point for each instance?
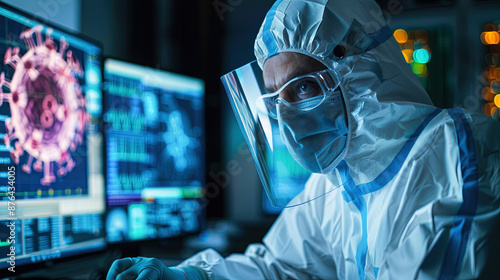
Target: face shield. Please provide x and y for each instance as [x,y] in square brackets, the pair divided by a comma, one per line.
[299,129]
[303,127]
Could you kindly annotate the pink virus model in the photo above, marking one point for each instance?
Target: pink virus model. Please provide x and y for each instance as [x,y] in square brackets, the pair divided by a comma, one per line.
[47,107]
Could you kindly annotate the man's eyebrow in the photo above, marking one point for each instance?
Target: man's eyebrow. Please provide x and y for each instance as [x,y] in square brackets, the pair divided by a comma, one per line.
[297,72]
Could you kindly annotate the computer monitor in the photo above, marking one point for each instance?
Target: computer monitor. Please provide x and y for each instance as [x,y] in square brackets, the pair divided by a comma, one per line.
[155,152]
[52,201]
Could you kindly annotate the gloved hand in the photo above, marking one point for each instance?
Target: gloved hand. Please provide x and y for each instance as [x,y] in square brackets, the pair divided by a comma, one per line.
[143,269]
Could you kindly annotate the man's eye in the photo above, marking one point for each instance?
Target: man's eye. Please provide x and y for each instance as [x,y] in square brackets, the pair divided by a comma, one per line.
[306,90]
[305,87]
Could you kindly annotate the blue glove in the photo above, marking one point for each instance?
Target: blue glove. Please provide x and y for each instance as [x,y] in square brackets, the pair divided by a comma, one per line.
[149,269]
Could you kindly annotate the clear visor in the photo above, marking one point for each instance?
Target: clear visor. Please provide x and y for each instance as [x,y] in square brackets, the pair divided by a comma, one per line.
[256,111]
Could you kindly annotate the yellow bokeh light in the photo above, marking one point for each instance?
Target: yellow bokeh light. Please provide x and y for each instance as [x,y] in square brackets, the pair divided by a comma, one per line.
[51,192]
[39,192]
[401,36]
[497,100]
[408,54]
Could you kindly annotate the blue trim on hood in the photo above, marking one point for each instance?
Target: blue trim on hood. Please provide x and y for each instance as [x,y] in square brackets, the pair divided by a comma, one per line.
[267,36]
[379,37]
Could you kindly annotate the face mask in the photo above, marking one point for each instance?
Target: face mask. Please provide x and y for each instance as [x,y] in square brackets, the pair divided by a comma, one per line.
[315,138]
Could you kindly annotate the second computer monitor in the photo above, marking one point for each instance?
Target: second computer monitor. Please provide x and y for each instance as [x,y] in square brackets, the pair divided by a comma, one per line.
[155,152]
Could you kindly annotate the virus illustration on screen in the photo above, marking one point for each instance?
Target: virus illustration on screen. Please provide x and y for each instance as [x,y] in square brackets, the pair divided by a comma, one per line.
[47,106]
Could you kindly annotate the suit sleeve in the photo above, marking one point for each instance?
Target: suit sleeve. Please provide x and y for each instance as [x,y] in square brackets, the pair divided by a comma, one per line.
[294,248]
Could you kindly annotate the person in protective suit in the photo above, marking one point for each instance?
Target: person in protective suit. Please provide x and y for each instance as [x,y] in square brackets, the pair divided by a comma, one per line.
[400,189]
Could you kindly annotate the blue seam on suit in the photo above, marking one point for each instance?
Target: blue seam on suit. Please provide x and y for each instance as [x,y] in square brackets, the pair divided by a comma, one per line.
[462,222]
[355,193]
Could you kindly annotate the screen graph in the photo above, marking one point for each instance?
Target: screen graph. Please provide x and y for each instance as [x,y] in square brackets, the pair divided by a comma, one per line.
[155,152]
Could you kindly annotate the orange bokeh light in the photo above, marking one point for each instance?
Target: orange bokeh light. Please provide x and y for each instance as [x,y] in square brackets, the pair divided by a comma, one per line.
[401,36]
[487,94]
[490,37]
[487,108]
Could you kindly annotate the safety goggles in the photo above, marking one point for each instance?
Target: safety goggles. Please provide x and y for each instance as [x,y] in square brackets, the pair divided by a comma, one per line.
[298,91]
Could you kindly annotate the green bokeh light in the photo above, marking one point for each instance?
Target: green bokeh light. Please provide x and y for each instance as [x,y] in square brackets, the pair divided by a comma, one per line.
[419,68]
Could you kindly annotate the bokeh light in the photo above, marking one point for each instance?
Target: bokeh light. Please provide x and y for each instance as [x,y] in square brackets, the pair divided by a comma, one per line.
[422,35]
[401,36]
[490,37]
[491,94]
[419,68]
[487,108]
[490,27]
[494,60]
[495,86]
[422,56]
[497,100]
[493,73]
[487,94]
[495,113]
[408,54]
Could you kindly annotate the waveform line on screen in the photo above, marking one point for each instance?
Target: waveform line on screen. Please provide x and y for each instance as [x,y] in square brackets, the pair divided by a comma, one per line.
[122,88]
[129,150]
[6,243]
[132,182]
[122,120]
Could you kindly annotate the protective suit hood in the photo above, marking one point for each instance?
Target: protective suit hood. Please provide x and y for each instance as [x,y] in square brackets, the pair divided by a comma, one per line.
[371,86]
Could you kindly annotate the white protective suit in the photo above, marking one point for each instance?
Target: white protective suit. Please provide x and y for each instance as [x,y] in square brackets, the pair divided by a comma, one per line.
[425,199]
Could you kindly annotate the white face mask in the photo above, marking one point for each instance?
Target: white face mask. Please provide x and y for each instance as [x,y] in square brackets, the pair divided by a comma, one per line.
[317,137]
